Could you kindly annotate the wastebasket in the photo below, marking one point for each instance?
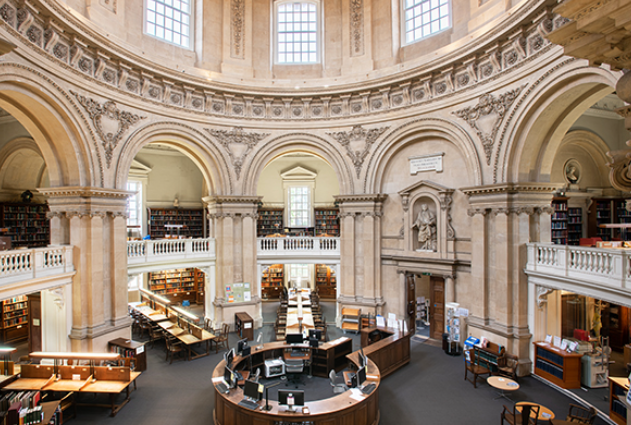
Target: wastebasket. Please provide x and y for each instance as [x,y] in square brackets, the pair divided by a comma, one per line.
[446,342]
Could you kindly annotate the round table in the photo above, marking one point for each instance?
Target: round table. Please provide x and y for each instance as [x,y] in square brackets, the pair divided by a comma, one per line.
[502,384]
[545,414]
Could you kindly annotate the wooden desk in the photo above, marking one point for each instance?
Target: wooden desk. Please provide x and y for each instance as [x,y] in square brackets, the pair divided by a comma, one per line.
[389,353]
[545,414]
[558,366]
[342,408]
[189,340]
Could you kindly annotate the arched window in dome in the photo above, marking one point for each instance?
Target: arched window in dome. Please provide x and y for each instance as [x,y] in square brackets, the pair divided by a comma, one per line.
[423,18]
[297,32]
[169,20]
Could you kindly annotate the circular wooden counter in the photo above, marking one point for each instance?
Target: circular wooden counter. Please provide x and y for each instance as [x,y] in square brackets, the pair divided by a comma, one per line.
[338,409]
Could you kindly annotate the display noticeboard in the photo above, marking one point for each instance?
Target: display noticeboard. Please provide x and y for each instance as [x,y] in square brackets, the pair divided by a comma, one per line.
[238,292]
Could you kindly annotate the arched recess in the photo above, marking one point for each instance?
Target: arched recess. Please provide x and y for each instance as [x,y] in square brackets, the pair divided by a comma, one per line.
[192,143]
[416,131]
[55,123]
[593,146]
[544,114]
[298,142]
[21,166]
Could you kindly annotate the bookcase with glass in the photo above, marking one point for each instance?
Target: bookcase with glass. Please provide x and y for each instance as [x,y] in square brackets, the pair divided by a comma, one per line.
[177,285]
[270,222]
[326,282]
[25,223]
[574,225]
[559,221]
[272,281]
[327,222]
[15,319]
[167,223]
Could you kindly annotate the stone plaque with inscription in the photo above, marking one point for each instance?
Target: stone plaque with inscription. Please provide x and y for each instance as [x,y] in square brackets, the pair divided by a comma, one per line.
[433,162]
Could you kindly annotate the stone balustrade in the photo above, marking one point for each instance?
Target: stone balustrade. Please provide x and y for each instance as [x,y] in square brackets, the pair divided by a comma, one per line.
[298,247]
[20,265]
[175,250]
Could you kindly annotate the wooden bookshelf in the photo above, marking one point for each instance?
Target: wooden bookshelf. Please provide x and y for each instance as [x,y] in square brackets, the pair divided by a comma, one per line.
[559,221]
[618,388]
[326,281]
[272,281]
[270,221]
[327,222]
[558,366]
[132,350]
[177,285]
[26,224]
[190,220]
[623,216]
[602,211]
[15,319]
[574,225]
[200,280]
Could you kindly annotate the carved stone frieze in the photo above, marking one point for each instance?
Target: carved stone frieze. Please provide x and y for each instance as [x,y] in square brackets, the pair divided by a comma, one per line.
[620,173]
[7,13]
[357,143]
[110,122]
[357,27]
[58,297]
[238,144]
[486,117]
[237,24]
[474,211]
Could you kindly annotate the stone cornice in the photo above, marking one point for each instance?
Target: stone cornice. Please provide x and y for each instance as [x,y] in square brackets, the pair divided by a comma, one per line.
[230,199]
[6,47]
[512,188]
[74,44]
[360,198]
[84,192]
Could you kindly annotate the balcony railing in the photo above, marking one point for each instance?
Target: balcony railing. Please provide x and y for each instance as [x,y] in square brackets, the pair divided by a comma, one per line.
[605,269]
[36,263]
[150,251]
[298,246]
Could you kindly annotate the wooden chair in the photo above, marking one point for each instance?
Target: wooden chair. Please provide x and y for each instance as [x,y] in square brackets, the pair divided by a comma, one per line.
[474,364]
[155,333]
[222,338]
[581,415]
[521,415]
[173,346]
[507,366]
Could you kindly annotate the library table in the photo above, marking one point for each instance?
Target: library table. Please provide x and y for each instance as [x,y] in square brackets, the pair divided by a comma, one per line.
[502,384]
[189,339]
[350,407]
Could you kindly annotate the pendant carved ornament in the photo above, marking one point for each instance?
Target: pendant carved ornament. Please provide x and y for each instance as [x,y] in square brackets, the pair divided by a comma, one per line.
[486,117]
[357,143]
[110,122]
[238,144]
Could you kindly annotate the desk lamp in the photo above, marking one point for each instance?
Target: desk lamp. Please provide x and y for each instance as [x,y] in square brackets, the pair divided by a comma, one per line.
[267,387]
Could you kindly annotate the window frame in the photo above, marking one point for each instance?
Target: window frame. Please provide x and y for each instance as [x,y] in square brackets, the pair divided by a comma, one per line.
[404,31]
[191,25]
[309,208]
[318,40]
[139,199]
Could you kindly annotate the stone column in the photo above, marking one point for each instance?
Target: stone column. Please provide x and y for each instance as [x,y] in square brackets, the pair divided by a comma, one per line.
[505,218]
[234,221]
[93,220]
[360,280]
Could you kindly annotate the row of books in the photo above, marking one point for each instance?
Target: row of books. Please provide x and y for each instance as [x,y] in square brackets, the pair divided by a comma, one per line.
[550,368]
[17,306]
[16,321]
[21,408]
[29,208]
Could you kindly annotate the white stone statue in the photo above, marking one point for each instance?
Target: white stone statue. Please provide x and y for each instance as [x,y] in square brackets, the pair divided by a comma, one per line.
[426,225]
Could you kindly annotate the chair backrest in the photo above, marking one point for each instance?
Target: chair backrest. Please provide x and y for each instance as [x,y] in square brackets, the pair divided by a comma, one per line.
[333,377]
[225,329]
[581,414]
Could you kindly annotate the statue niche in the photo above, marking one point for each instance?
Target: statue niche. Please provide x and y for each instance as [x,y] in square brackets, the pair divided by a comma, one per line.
[425,226]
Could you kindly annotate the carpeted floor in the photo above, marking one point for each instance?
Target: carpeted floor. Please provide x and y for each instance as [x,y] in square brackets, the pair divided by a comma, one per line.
[430,390]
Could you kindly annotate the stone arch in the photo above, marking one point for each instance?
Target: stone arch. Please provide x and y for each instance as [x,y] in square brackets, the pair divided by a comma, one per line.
[298,142]
[22,166]
[54,122]
[543,115]
[193,143]
[593,145]
[415,131]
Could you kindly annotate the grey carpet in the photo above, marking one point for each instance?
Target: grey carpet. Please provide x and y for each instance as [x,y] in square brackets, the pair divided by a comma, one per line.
[430,390]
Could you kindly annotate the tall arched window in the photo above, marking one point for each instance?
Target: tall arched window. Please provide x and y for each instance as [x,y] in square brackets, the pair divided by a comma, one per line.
[425,17]
[297,32]
[169,20]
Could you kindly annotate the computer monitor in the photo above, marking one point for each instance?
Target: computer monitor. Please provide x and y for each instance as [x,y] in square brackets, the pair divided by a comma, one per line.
[294,338]
[315,333]
[253,389]
[298,395]
[229,356]
[230,377]
[361,376]
[241,345]
[313,342]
